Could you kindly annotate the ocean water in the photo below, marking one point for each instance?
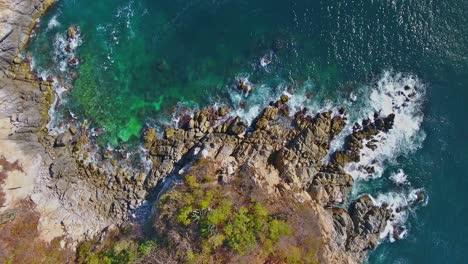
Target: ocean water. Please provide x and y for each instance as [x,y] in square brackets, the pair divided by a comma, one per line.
[146,63]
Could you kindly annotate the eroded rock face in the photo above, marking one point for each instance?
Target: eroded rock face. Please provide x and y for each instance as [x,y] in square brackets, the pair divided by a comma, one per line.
[67,201]
[18,19]
[335,184]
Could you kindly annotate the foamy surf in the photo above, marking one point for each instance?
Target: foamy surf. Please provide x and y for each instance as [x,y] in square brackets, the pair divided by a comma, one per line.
[53,23]
[399,177]
[55,127]
[402,95]
[401,204]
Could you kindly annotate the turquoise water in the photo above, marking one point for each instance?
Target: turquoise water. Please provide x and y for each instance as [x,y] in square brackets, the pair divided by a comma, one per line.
[145,62]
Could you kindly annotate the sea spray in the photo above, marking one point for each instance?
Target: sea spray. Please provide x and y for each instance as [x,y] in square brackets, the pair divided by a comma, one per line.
[53,23]
[403,96]
[401,205]
[399,177]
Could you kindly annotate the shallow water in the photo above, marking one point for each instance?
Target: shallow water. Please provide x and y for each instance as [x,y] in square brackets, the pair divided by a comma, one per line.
[143,62]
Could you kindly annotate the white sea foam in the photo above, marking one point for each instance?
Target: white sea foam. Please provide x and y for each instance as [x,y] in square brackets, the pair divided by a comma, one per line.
[403,96]
[266,59]
[53,22]
[75,41]
[401,204]
[60,45]
[128,13]
[254,103]
[147,162]
[64,50]
[388,96]
[54,127]
[399,178]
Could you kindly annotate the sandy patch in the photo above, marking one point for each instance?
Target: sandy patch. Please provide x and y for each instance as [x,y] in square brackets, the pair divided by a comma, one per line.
[19,184]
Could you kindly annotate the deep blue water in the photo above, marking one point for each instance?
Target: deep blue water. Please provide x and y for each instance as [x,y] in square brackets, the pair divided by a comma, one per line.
[141,60]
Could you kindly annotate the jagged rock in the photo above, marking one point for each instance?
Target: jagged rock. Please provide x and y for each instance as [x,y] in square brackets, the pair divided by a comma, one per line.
[284,98]
[170,132]
[262,123]
[337,125]
[17,18]
[336,184]
[150,137]
[119,177]
[140,178]
[321,126]
[357,231]
[204,126]
[191,124]
[368,218]
[343,227]
[344,157]
[270,113]
[141,194]
[296,153]
[73,130]
[107,154]
[63,139]
[78,146]
[223,111]
[237,127]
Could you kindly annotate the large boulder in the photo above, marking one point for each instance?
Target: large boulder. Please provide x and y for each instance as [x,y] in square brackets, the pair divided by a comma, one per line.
[335,184]
[150,137]
[63,139]
[237,127]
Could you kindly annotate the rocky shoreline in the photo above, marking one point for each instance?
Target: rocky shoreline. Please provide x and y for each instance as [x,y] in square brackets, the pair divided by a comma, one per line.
[79,199]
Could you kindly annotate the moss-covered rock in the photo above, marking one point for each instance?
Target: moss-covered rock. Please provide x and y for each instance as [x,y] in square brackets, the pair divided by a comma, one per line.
[150,137]
[170,132]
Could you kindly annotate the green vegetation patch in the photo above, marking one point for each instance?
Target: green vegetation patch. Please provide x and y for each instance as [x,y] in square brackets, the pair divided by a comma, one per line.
[203,221]
[217,222]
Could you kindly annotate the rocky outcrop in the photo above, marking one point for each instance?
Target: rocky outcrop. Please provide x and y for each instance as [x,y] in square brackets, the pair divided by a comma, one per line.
[52,177]
[284,156]
[82,191]
[64,198]
[281,155]
[363,134]
[18,20]
[358,230]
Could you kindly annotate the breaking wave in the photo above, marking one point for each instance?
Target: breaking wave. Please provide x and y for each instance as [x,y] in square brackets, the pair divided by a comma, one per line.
[401,205]
[53,22]
[402,95]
